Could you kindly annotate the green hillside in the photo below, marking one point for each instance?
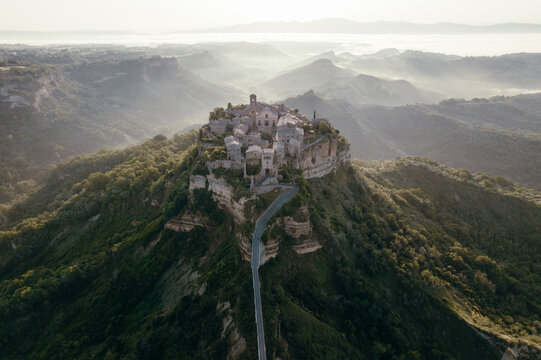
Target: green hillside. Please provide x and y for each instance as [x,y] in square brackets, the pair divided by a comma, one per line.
[50,113]
[418,261]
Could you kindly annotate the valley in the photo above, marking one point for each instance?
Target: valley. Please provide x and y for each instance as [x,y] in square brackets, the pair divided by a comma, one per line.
[366,205]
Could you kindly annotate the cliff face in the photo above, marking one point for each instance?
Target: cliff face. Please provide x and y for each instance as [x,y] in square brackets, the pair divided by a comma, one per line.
[324,156]
[223,193]
[186,222]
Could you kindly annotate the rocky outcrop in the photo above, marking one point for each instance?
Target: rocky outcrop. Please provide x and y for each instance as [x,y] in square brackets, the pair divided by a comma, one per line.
[269,251]
[144,250]
[197,182]
[245,248]
[186,222]
[238,344]
[306,247]
[229,329]
[522,351]
[222,192]
[301,230]
[296,229]
[178,281]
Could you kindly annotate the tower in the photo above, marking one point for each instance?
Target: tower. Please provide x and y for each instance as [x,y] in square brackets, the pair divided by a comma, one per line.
[253,100]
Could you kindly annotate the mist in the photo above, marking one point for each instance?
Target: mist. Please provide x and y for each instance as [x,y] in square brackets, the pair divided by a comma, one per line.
[378,162]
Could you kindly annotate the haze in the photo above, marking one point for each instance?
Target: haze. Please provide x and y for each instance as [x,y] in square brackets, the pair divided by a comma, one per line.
[377,162]
[168,15]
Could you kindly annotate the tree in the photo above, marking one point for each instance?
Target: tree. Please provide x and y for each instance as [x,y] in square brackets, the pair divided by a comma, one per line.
[97,181]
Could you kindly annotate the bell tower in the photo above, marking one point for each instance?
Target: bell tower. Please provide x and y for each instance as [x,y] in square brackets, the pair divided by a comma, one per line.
[253,100]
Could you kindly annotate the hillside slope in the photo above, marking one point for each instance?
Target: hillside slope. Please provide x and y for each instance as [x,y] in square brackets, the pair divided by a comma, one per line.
[416,261]
[337,83]
[51,113]
[365,89]
[318,76]
[499,136]
[472,76]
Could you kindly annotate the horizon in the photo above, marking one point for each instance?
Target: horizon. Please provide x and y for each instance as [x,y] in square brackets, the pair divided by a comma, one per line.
[223,28]
[178,16]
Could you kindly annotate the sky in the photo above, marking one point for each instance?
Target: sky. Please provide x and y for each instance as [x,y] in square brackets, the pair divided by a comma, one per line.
[179,15]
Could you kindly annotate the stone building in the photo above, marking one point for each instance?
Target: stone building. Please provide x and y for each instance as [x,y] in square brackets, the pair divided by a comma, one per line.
[291,139]
[251,139]
[218,126]
[267,162]
[253,154]
[233,147]
[314,152]
[266,120]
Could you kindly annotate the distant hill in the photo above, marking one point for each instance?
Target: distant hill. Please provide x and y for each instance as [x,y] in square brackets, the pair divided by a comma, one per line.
[319,75]
[51,113]
[333,82]
[344,26]
[365,89]
[220,69]
[456,76]
[500,136]
[327,55]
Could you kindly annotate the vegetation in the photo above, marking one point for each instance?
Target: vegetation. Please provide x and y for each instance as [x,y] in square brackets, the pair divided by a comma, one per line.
[398,274]
[219,113]
[91,272]
[418,261]
[78,105]
[215,153]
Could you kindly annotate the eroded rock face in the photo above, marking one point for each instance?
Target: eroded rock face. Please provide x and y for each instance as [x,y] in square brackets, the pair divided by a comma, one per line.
[306,247]
[222,192]
[246,248]
[522,351]
[296,229]
[178,281]
[270,250]
[237,344]
[323,158]
[186,222]
[197,182]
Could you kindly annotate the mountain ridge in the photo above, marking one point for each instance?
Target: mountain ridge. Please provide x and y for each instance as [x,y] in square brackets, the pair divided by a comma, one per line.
[496,135]
[50,113]
[377,27]
[334,82]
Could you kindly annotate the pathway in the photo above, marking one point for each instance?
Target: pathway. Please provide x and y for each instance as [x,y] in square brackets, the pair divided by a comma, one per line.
[260,226]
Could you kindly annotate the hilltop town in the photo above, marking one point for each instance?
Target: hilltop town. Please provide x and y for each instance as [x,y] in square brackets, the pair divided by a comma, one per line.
[263,140]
